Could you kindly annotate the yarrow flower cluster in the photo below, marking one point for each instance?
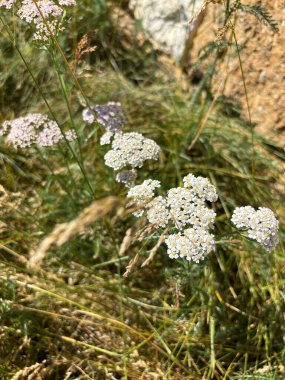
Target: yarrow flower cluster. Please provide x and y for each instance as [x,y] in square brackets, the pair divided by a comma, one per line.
[126,177]
[110,116]
[142,194]
[201,187]
[187,208]
[261,225]
[181,208]
[131,149]
[45,15]
[184,209]
[193,244]
[127,149]
[8,4]
[34,128]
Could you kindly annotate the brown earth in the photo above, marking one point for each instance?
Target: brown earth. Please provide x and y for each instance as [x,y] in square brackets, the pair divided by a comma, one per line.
[263,61]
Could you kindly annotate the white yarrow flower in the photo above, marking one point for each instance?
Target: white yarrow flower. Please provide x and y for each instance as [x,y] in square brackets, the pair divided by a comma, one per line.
[8,4]
[201,187]
[192,244]
[45,15]
[131,149]
[158,213]
[88,116]
[106,138]
[142,194]
[261,225]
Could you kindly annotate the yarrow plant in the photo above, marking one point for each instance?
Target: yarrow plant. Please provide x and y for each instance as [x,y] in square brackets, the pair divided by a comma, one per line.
[34,129]
[128,149]
[44,15]
[183,207]
[183,211]
[261,225]
[131,149]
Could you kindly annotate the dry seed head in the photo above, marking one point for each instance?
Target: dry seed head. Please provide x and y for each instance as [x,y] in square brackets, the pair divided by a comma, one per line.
[66,231]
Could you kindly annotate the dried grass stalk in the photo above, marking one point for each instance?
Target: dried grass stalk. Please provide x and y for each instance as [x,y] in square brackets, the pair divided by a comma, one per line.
[133,235]
[131,265]
[31,373]
[155,248]
[64,232]
[127,241]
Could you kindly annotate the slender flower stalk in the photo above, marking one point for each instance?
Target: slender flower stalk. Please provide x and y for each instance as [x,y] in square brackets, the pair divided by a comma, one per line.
[13,41]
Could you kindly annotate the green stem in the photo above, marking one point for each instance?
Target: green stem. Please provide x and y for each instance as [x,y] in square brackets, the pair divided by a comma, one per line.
[247,102]
[62,183]
[48,106]
[65,95]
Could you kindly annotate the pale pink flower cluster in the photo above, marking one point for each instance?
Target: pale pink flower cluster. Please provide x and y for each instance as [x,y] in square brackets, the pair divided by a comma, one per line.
[34,128]
[44,14]
[8,4]
[34,13]
[109,115]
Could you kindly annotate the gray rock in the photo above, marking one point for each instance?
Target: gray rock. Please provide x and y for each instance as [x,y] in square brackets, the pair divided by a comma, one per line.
[166,22]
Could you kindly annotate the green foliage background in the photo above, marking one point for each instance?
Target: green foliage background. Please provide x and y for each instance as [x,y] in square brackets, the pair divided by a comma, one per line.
[223,318]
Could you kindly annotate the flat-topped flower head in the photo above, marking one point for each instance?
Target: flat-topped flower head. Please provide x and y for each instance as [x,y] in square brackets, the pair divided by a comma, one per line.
[186,208]
[131,149]
[34,128]
[158,213]
[34,13]
[192,244]
[110,116]
[201,187]
[106,138]
[8,4]
[261,225]
[142,194]
[126,177]
[45,15]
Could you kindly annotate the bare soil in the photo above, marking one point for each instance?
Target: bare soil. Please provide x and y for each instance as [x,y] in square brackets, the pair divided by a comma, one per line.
[263,61]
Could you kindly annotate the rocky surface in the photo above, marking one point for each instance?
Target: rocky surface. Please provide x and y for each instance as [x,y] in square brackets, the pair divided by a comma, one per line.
[167,23]
[263,61]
